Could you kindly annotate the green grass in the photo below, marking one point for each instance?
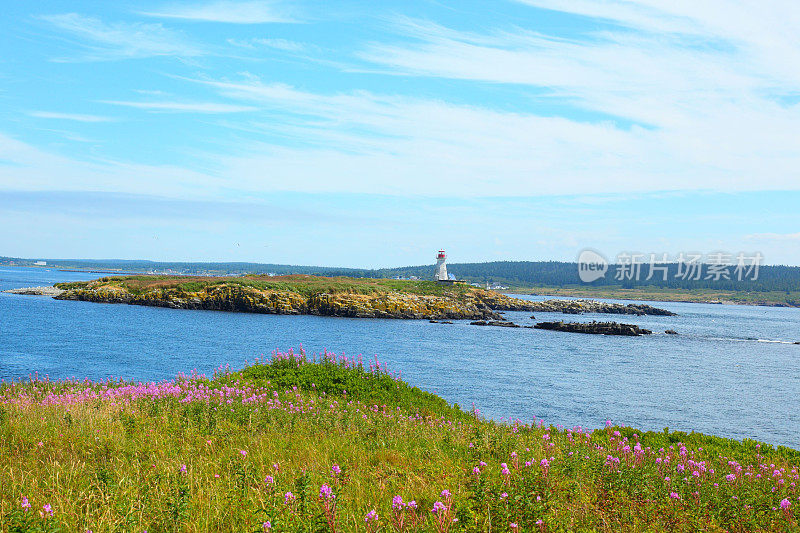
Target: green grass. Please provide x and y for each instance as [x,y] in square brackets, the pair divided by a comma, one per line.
[301,284]
[220,454]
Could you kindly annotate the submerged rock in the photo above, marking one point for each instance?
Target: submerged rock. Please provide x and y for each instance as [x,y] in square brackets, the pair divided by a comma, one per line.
[599,328]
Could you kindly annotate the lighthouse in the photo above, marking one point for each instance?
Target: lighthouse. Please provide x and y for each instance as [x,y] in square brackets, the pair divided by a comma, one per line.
[441,267]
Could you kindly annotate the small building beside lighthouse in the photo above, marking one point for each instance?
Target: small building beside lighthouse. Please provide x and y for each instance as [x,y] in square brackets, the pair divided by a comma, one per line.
[440,274]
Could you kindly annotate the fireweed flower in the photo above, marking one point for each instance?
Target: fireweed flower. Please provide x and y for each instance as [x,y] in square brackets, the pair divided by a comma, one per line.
[397,503]
[269,480]
[445,494]
[47,510]
[674,496]
[372,516]
[243,452]
[288,498]
[326,493]
[266,525]
[335,470]
[785,504]
[438,507]
[412,504]
[25,503]
[183,469]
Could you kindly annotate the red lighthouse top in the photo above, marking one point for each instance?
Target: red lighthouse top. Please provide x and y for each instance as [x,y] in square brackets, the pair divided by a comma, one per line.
[440,255]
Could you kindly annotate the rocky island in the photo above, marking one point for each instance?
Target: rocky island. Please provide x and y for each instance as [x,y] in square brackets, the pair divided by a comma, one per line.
[317,295]
[301,295]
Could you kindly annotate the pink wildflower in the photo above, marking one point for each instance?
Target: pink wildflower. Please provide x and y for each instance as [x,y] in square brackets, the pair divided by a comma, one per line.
[326,493]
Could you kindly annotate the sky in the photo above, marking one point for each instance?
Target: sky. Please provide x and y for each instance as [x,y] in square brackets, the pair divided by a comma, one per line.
[371,134]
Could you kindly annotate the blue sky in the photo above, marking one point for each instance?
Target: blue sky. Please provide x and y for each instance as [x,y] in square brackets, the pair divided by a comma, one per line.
[374,133]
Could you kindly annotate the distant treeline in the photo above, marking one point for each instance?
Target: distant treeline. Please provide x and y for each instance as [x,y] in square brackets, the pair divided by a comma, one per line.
[513,274]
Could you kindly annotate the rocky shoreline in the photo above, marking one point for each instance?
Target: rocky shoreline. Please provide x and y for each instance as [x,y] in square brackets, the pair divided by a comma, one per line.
[37,291]
[577,307]
[477,305]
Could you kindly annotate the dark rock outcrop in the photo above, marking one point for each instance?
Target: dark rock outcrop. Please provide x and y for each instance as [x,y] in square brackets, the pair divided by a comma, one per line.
[598,328]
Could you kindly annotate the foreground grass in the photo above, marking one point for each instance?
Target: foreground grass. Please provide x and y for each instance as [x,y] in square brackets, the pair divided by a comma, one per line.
[338,445]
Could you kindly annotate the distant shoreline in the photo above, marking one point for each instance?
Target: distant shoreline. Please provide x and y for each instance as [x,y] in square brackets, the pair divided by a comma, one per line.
[660,295]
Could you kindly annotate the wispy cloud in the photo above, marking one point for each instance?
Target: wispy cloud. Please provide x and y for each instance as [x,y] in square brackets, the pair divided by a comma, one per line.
[366,142]
[69,116]
[183,107]
[706,88]
[103,41]
[278,44]
[780,237]
[238,12]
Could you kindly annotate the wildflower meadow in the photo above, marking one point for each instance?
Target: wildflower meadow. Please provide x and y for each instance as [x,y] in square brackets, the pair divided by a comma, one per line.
[328,443]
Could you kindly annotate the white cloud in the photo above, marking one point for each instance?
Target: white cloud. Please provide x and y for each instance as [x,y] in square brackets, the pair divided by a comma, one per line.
[705,80]
[278,44]
[238,12]
[363,142]
[183,107]
[122,40]
[780,237]
[69,116]
[27,168]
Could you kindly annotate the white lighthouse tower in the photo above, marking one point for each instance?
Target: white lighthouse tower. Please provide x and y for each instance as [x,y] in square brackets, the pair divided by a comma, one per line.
[441,267]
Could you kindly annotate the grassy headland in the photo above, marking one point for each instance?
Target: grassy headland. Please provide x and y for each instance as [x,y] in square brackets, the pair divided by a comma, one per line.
[336,445]
[299,294]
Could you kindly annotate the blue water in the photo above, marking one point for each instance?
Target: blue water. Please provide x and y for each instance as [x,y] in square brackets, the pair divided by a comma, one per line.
[715,377]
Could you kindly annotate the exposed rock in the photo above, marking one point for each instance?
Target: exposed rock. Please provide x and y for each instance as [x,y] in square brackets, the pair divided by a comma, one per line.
[503,324]
[500,323]
[671,332]
[37,291]
[600,328]
[576,307]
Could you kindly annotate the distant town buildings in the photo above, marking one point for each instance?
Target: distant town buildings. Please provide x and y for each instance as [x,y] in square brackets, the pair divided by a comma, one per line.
[40,263]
